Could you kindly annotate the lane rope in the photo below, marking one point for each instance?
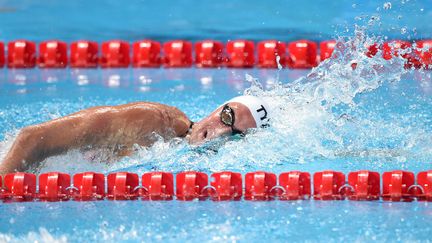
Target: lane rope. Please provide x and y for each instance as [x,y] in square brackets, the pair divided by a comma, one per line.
[364,185]
[301,54]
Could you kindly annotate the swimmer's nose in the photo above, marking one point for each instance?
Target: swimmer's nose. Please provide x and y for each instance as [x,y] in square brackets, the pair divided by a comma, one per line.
[207,133]
[198,136]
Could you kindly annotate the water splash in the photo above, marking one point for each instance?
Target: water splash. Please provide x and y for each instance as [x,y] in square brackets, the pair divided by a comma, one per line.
[318,115]
[41,236]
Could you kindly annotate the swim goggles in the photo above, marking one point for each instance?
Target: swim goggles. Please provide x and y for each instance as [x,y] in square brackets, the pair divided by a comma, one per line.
[227,117]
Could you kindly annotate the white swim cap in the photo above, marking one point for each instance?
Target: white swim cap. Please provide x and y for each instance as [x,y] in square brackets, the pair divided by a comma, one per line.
[259,109]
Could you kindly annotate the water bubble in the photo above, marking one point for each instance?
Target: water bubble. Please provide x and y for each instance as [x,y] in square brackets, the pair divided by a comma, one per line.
[279,66]
[122,228]
[403,30]
[387,6]
[373,20]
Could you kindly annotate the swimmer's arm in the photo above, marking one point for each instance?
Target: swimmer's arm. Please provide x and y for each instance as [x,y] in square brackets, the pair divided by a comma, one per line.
[37,142]
[94,126]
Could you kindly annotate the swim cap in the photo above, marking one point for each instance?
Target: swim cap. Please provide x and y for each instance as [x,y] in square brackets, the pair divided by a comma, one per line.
[257,107]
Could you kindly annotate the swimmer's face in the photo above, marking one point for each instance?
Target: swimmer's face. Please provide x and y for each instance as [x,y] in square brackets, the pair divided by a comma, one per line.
[212,127]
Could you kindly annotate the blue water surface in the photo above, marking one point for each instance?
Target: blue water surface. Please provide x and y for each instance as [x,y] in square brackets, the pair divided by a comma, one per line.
[284,20]
[196,92]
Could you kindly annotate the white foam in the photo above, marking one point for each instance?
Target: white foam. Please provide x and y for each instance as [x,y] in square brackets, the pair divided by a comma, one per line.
[42,236]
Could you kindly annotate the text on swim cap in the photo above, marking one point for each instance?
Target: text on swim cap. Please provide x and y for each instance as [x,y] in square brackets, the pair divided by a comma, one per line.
[265,112]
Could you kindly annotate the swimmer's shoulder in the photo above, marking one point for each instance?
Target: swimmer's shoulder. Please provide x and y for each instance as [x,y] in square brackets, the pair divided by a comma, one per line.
[176,118]
[168,116]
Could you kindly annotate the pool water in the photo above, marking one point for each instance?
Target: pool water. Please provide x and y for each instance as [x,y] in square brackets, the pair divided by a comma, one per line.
[375,117]
[197,92]
[101,20]
[217,221]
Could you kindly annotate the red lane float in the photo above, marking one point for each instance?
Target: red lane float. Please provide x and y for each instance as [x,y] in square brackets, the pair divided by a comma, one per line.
[302,54]
[326,49]
[178,53]
[328,185]
[84,54]
[258,185]
[53,186]
[398,186]
[365,185]
[89,186]
[146,53]
[424,52]
[296,185]
[158,186]
[268,53]
[21,54]
[424,180]
[121,186]
[241,54]
[53,54]
[115,54]
[20,186]
[395,48]
[2,56]
[191,185]
[209,53]
[227,185]
[372,50]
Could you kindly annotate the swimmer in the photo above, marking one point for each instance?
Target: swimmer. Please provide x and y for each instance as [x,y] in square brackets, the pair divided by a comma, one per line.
[119,128]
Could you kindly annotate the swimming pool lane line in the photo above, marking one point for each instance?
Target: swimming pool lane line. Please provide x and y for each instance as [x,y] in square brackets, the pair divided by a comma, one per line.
[396,186]
[301,54]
